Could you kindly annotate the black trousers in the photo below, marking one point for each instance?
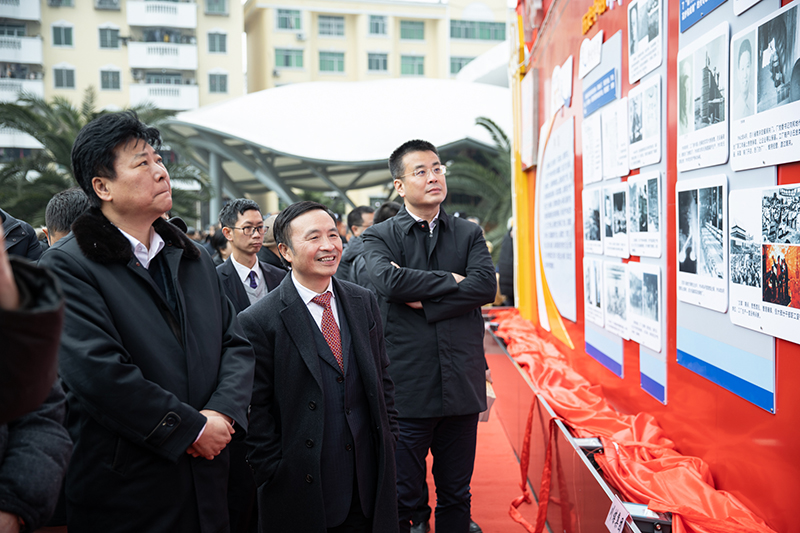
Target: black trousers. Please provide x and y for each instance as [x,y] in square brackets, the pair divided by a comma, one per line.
[452,441]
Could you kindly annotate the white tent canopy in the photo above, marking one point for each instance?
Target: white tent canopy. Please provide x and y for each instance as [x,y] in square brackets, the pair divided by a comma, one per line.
[333,136]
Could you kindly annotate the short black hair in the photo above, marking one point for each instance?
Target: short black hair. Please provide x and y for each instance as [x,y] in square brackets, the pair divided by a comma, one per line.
[386,211]
[63,209]
[230,212]
[218,241]
[282,226]
[94,150]
[744,47]
[396,166]
[356,216]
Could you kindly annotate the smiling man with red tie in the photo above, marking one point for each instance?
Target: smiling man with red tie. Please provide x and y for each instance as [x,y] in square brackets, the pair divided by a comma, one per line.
[322,424]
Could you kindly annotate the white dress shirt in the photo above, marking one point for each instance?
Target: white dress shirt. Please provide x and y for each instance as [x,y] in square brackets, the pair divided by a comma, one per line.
[141,252]
[316,310]
[244,272]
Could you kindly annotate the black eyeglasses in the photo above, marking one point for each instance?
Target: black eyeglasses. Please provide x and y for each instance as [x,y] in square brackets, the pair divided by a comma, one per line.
[250,230]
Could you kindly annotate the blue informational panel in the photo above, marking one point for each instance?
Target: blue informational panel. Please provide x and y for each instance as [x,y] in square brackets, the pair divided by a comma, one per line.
[600,93]
[653,373]
[605,348]
[694,10]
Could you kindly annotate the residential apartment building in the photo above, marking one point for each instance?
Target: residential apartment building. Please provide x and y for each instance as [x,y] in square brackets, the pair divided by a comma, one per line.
[350,40]
[179,55]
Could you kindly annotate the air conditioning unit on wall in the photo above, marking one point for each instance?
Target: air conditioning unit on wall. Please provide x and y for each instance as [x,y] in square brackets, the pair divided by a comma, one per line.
[301,36]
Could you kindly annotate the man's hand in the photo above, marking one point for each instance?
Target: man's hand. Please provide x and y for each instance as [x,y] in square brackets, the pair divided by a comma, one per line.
[9,295]
[459,277]
[215,437]
[9,523]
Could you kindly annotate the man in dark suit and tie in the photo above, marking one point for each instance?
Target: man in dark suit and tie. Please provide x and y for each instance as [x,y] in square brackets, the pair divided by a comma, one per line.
[322,425]
[245,278]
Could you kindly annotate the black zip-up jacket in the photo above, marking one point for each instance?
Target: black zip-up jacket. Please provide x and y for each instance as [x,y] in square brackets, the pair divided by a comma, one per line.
[20,237]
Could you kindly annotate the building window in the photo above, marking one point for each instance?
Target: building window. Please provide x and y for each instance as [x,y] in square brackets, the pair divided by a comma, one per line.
[62,35]
[331,61]
[60,3]
[377,62]
[163,79]
[217,83]
[12,30]
[457,63]
[288,58]
[331,25]
[412,29]
[216,7]
[473,29]
[218,43]
[109,80]
[64,78]
[109,38]
[377,25]
[289,19]
[412,65]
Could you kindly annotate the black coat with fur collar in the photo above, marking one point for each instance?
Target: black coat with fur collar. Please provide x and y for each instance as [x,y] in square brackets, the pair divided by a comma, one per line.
[136,376]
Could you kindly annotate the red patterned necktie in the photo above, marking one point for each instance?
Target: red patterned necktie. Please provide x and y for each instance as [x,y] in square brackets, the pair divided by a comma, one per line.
[329,328]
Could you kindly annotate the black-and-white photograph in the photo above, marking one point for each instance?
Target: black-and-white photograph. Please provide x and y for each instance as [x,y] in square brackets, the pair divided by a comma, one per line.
[608,212]
[653,205]
[591,215]
[635,118]
[777,67]
[644,38]
[592,283]
[653,19]
[711,256]
[633,28]
[780,207]
[685,96]
[635,291]
[616,303]
[745,259]
[650,296]
[652,111]
[638,198]
[688,231]
[743,90]
[710,83]
[619,218]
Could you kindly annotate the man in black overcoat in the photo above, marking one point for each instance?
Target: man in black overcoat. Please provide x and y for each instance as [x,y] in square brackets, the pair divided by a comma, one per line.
[155,366]
[322,423]
[432,273]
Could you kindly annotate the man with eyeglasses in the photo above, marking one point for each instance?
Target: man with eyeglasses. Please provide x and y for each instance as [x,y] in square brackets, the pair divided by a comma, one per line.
[432,272]
[245,280]
[358,220]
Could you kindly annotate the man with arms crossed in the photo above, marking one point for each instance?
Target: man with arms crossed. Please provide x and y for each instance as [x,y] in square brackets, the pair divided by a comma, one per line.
[432,273]
[322,423]
[155,366]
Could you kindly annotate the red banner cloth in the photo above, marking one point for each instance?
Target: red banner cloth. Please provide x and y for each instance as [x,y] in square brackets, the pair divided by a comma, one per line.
[638,460]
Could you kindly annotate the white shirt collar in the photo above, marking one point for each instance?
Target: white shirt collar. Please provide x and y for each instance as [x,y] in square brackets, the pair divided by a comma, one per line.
[140,251]
[307,294]
[244,272]
[431,224]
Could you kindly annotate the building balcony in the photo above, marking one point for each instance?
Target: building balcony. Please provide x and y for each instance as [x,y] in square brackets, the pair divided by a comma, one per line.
[20,10]
[107,4]
[166,96]
[10,88]
[164,14]
[21,50]
[11,138]
[162,55]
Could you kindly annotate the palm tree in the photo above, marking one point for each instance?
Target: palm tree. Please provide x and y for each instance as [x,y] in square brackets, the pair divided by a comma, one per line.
[28,183]
[487,177]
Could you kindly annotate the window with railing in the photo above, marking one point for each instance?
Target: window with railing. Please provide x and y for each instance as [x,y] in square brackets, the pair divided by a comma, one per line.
[217,83]
[457,63]
[331,61]
[377,25]
[60,3]
[107,4]
[377,62]
[412,29]
[216,7]
[331,25]
[62,35]
[12,30]
[217,43]
[109,38]
[474,29]
[109,80]
[163,79]
[64,78]
[412,65]
[286,58]
[289,19]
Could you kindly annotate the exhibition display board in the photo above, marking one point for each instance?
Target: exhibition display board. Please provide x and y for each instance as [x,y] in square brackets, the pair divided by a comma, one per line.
[657,237]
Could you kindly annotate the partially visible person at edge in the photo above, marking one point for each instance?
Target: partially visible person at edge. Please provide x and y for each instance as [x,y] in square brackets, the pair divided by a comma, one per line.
[20,237]
[155,366]
[358,220]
